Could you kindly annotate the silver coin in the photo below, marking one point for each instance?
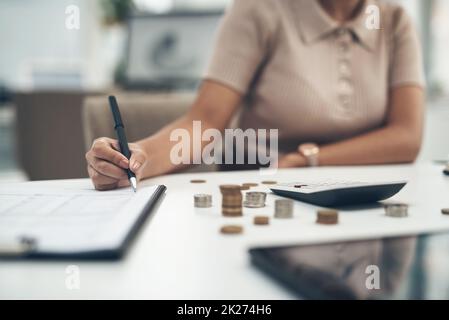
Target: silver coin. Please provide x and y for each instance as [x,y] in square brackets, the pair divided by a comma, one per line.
[283,208]
[396,210]
[202,200]
[249,204]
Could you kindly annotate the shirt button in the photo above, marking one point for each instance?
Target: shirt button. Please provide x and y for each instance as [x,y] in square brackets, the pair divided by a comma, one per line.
[343,67]
[345,102]
[345,87]
[344,47]
[341,31]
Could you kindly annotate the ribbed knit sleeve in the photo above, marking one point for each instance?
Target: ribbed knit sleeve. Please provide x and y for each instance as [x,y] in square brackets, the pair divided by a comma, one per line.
[406,67]
[241,43]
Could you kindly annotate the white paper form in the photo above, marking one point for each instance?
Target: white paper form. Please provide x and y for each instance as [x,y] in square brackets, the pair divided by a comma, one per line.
[70,219]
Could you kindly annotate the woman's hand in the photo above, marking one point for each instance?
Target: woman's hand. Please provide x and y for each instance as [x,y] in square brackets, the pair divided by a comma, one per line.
[106,165]
[292,160]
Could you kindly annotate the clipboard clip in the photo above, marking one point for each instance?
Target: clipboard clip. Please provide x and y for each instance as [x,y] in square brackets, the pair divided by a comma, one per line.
[18,248]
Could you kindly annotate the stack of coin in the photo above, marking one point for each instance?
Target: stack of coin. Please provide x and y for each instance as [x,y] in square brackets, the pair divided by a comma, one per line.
[283,208]
[327,216]
[397,210]
[254,199]
[231,205]
[202,200]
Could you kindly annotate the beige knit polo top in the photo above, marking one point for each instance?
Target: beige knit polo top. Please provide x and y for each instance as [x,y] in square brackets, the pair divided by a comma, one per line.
[308,76]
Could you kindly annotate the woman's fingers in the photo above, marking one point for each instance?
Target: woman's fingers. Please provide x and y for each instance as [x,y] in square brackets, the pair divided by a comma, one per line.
[106,168]
[123,183]
[106,164]
[104,148]
[101,182]
[138,158]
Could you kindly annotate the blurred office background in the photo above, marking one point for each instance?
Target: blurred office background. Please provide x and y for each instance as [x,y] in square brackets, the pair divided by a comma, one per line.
[147,52]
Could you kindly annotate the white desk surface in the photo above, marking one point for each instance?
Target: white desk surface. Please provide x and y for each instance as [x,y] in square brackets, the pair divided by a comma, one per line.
[179,253]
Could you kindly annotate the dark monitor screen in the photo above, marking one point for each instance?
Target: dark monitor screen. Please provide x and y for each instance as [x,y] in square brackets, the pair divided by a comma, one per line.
[169,50]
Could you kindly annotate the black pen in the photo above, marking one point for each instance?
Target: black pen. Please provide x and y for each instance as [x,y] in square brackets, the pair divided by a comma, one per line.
[123,142]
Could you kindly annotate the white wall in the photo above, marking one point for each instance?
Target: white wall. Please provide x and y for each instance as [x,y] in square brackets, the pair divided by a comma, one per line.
[34,38]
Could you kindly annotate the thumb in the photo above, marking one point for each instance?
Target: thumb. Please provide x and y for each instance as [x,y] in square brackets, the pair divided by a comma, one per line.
[137,161]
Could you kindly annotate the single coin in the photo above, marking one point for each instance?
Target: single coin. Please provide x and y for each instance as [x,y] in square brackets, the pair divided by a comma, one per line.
[445,211]
[250,184]
[396,210]
[231,229]
[244,188]
[269,182]
[197,181]
[249,204]
[232,196]
[327,216]
[256,194]
[261,220]
[202,196]
[230,188]
[231,212]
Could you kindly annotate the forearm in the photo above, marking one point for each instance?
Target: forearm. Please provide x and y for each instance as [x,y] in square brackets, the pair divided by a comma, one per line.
[213,108]
[391,144]
[159,146]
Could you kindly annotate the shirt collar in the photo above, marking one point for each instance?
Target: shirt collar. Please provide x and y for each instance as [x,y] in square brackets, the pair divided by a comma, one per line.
[316,24]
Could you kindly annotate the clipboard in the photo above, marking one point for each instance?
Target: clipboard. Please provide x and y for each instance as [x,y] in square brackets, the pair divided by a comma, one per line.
[27,246]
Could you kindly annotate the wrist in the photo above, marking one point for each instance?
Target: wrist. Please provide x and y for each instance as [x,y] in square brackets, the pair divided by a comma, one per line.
[302,161]
[310,152]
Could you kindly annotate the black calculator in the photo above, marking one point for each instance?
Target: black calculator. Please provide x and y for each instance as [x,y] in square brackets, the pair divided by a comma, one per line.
[338,193]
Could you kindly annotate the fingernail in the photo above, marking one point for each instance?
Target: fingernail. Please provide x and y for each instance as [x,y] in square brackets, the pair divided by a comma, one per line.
[136,165]
[124,163]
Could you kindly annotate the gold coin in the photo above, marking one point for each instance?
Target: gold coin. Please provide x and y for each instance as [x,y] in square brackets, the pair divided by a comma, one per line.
[261,220]
[229,187]
[327,216]
[245,187]
[231,229]
[250,184]
[232,214]
[269,182]
[237,206]
[232,196]
[232,210]
[197,181]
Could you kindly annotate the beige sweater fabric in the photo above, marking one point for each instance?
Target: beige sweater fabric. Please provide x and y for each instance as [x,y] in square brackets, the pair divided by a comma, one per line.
[304,74]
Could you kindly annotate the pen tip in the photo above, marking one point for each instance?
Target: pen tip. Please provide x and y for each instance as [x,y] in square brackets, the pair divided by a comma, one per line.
[133,183]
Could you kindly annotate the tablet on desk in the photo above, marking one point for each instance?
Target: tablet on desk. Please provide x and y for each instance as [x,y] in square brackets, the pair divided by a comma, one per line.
[387,268]
[71,222]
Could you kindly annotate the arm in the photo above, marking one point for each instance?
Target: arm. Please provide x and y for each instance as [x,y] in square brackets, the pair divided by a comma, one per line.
[214,107]
[398,141]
